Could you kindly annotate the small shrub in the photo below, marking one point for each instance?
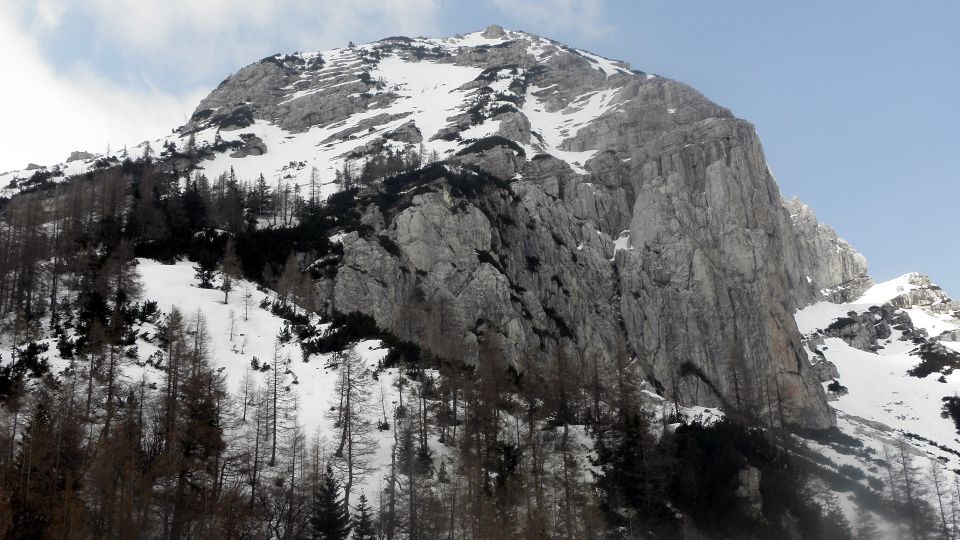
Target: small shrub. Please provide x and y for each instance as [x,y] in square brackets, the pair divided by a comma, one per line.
[951,409]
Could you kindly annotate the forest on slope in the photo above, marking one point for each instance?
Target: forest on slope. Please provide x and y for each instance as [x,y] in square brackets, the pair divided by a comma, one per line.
[476,451]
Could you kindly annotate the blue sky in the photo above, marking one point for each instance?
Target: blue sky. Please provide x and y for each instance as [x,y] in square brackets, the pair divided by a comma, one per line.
[855,100]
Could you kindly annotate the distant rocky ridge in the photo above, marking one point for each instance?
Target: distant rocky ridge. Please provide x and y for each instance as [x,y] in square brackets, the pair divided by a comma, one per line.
[828,260]
[917,291]
[921,291]
[79,155]
[909,313]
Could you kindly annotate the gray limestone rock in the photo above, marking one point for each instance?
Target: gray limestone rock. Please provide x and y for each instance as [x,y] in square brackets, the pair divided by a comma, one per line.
[79,155]
[665,254]
[837,270]
[408,133]
[825,369]
[748,489]
[494,31]
[252,146]
[866,330]
[924,294]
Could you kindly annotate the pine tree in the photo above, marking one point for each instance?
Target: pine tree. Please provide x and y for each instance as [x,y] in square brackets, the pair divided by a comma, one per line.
[835,523]
[866,525]
[247,292]
[230,269]
[330,520]
[363,525]
[314,181]
[191,148]
[350,412]
[260,203]
[147,151]
[206,270]
[918,514]
[940,490]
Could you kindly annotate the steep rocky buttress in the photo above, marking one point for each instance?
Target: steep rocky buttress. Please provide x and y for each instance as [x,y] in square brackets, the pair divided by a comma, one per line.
[581,211]
[827,259]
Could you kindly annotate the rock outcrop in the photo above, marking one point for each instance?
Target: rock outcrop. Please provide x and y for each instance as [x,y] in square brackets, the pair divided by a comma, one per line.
[837,270]
[79,155]
[920,292]
[866,330]
[252,146]
[648,240]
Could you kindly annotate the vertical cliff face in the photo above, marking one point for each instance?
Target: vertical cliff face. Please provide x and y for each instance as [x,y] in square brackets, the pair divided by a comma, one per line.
[581,211]
[715,277]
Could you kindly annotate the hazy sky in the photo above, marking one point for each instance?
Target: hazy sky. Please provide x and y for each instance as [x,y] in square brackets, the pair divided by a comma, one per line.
[856,101]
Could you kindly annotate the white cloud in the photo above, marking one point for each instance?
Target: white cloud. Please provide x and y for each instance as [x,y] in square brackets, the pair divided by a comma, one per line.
[197,36]
[579,17]
[50,112]
[49,14]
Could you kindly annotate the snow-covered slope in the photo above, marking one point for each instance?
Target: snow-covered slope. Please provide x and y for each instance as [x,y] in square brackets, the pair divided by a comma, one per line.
[866,353]
[244,332]
[873,350]
[429,95]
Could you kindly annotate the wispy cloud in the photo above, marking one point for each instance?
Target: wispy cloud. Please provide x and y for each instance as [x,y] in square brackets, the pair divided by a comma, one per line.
[582,18]
[50,113]
[54,111]
[199,36]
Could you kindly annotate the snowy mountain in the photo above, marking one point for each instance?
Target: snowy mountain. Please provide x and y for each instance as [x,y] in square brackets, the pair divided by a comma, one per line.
[289,113]
[894,354]
[553,275]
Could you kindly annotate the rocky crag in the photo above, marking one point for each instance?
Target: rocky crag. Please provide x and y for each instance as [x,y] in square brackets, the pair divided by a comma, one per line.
[828,260]
[622,220]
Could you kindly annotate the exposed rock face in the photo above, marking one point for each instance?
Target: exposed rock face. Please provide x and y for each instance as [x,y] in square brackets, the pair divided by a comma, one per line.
[865,330]
[748,489]
[661,248]
[79,155]
[825,369]
[923,293]
[494,31]
[256,91]
[915,291]
[837,270]
[950,335]
[252,146]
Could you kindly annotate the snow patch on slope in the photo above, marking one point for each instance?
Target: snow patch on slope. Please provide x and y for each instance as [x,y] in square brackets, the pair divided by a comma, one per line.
[557,126]
[881,395]
[430,90]
[607,66]
[888,290]
[315,380]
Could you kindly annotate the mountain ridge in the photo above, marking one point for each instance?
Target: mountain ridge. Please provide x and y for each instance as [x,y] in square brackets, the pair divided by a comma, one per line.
[640,172]
[588,123]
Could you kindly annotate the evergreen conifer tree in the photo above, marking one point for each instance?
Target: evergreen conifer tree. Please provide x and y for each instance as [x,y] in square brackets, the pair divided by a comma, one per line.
[229,269]
[330,519]
[206,269]
[363,526]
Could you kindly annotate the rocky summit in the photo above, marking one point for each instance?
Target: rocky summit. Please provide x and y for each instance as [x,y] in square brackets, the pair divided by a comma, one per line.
[623,219]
